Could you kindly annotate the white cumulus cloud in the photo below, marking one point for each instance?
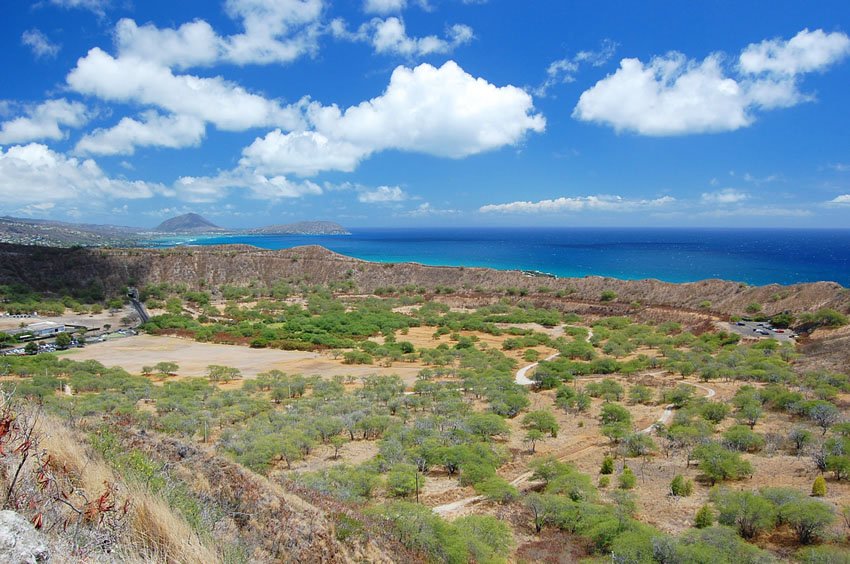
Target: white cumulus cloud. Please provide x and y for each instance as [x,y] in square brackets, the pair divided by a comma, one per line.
[215,100]
[34,174]
[438,111]
[843,199]
[576,204]
[668,96]
[304,153]
[674,95]
[807,51]
[389,36]
[154,129]
[43,121]
[275,31]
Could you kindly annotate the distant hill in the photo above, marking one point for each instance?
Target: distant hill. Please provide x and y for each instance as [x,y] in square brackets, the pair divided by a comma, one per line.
[302,228]
[50,233]
[187,223]
[62,234]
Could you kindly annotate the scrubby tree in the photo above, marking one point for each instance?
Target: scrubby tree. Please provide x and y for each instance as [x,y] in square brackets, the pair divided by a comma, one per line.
[403,480]
[719,464]
[637,444]
[217,373]
[747,511]
[487,538]
[532,436]
[714,411]
[749,413]
[63,340]
[808,518]
[486,425]
[166,368]
[679,396]
[497,489]
[541,420]
[800,438]
[640,394]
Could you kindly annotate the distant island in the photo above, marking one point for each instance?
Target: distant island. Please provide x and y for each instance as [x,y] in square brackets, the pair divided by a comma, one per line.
[25,231]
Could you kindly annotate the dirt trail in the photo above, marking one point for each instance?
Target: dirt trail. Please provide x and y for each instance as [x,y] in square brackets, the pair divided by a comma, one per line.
[521,377]
[449,509]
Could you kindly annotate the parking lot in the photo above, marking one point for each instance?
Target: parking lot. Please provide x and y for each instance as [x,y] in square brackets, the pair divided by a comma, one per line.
[759,330]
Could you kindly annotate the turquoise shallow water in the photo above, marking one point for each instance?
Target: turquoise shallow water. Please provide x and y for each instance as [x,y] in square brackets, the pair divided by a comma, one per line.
[754,256]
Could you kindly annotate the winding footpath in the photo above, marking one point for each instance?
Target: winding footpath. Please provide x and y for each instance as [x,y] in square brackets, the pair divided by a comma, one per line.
[522,379]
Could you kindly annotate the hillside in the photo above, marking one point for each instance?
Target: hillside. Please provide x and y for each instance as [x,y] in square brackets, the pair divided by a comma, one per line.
[48,269]
[187,223]
[63,234]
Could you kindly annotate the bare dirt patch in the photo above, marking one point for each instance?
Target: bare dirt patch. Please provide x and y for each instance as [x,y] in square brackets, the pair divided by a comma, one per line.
[133,353]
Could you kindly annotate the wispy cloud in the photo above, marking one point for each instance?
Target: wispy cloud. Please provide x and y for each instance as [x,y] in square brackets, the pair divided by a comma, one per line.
[40,44]
[563,71]
[725,196]
[576,204]
[383,195]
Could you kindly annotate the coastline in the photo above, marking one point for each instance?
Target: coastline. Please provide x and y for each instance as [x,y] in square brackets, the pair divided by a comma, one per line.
[748,256]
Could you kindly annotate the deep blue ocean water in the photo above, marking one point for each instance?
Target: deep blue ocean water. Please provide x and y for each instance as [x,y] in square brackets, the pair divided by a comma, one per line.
[754,256]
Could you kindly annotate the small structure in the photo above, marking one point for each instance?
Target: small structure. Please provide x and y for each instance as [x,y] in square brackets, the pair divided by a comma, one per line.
[41,329]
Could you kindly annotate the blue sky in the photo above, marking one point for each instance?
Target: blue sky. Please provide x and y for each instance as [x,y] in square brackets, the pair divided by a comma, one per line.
[437,112]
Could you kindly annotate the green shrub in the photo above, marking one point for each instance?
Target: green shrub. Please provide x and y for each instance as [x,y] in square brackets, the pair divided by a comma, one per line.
[704,517]
[627,479]
[607,465]
[497,489]
[608,296]
[681,487]
[819,487]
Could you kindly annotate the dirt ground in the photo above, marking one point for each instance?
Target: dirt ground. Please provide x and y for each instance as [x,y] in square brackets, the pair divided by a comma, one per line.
[132,353]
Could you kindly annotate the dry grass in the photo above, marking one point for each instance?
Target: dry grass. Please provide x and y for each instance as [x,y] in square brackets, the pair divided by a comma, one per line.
[156,532]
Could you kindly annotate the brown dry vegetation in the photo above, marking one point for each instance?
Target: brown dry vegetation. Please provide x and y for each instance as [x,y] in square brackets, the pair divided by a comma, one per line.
[42,268]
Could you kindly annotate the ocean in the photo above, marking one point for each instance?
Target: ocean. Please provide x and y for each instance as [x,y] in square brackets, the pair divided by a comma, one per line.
[753,256]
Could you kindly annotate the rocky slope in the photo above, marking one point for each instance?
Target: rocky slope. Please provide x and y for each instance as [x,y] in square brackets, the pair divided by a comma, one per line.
[52,269]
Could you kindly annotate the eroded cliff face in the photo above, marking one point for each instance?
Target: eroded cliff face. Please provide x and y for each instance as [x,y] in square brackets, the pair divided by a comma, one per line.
[53,269]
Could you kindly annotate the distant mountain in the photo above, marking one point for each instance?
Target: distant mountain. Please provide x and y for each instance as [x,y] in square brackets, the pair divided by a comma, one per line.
[302,228]
[187,223]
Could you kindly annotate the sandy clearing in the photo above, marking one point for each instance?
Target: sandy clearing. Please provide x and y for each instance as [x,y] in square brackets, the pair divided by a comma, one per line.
[133,353]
